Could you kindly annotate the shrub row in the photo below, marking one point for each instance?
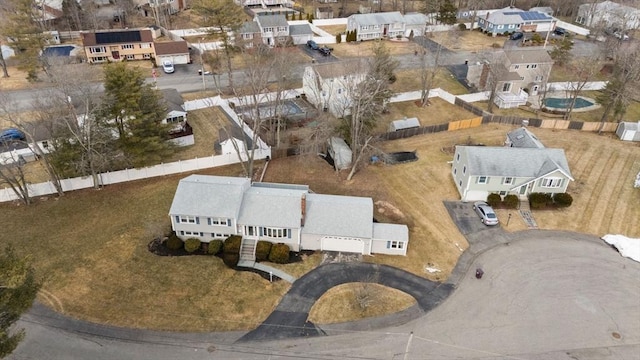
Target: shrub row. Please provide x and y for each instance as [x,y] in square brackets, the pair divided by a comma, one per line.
[543,200]
[510,201]
[230,248]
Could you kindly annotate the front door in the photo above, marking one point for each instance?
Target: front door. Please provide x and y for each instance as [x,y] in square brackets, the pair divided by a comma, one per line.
[523,190]
[115,55]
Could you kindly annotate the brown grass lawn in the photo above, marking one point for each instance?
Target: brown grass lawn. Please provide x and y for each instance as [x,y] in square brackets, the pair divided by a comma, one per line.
[438,112]
[409,80]
[92,245]
[334,29]
[365,48]
[340,303]
[466,40]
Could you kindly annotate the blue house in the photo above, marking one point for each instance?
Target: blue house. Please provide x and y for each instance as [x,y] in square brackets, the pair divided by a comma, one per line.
[510,20]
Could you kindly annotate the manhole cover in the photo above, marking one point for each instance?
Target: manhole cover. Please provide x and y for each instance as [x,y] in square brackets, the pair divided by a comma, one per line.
[616,335]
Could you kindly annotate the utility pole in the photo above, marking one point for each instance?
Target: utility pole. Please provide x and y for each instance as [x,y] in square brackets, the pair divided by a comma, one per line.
[204,84]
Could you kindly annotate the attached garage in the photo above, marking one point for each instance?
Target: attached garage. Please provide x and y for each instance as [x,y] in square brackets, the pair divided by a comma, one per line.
[175,51]
[343,244]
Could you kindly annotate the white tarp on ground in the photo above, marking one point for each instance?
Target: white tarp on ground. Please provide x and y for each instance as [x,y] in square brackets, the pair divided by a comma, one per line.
[628,247]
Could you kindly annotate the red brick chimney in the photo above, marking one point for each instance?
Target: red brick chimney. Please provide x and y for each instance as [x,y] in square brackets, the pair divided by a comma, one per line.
[303,208]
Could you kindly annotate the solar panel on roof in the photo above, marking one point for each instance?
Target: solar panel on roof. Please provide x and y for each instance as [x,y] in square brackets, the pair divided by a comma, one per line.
[118,37]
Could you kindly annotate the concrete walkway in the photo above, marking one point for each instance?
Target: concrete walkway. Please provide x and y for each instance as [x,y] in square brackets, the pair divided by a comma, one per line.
[267,269]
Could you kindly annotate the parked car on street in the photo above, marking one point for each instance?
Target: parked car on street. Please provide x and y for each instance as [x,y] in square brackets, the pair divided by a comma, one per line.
[486,213]
[516,36]
[11,134]
[313,45]
[167,67]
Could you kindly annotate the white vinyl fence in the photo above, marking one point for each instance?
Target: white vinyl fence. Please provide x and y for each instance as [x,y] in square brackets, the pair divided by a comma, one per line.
[262,151]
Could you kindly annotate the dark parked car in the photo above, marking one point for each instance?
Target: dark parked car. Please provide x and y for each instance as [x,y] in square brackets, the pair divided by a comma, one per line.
[312,44]
[516,36]
[560,31]
[11,134]
[325,51]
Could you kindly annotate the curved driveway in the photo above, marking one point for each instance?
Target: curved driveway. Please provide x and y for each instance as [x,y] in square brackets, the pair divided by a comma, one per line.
[289,319]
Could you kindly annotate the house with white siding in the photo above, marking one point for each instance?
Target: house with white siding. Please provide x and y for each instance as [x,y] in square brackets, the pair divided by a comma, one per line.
[215,207]
[328,86]
[608,15]
[377,25]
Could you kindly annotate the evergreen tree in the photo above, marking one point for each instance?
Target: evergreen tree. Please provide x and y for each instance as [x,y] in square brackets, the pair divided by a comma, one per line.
[135,110]
[18,289]
[447,13]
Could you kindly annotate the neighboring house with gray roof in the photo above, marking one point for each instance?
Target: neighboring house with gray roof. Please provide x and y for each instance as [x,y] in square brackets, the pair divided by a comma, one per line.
[481,170]
[274,29]
[415,23]
[215,207]
[516,74]
[523,138]
[328,86]
[509,20]
[377,25]
[250,34]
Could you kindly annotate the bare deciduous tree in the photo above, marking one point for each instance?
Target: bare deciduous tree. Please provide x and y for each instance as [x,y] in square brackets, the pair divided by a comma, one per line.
[584,70]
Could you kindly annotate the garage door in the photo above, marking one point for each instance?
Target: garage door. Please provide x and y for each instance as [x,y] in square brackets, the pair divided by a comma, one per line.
[334,243]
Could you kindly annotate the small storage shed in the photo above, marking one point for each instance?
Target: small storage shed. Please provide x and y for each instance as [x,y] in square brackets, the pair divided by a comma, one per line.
[404,124]
[340,153]
[628,131]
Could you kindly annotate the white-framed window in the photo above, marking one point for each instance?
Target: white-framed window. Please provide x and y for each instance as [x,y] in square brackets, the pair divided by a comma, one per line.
[97,50]
[506,87]
[455,171]
[219,235]
[534,66]
[186,219]
[483,179]
[507,180]
[458,157]
[250,230]
[146,56]
[219,221]
[99,59]
[551,182]
[339,91]
[268,29]
[516,67]
[460,183]
[145,46]
[191,233]
[127,47]
[274,232]
[393,244]
[502,193]
[45,144]
[130,57]
[539,78]
[175,119]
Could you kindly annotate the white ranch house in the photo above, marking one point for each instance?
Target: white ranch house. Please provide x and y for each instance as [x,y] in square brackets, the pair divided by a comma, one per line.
[522,167]
[215,207]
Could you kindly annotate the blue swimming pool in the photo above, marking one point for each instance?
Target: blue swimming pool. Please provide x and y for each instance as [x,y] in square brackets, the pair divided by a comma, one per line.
[563,103]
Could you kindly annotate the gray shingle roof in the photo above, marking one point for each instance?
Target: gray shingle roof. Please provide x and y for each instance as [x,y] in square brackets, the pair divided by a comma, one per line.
[272,20]
[517,162]
[195,195]
[415,19]
[173,99]
[249,27]
[378,18]
[277,207]
[390,232]
[347,216]
[333,70]
[523,138]
[302,29]
[529,56]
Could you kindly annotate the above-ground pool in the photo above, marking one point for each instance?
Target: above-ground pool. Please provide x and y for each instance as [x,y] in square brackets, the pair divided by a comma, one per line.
[267,111]
[564,103]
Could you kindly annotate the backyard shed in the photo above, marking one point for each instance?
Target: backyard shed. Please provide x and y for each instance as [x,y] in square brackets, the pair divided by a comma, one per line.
[340,153]
[404,124]
[628,131]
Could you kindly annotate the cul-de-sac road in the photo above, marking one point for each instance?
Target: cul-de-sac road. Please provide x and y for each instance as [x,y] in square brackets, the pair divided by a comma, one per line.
[544,295]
